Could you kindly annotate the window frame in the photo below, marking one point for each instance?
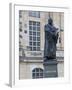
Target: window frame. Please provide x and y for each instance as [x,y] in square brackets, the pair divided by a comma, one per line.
[35,37]
[36,73]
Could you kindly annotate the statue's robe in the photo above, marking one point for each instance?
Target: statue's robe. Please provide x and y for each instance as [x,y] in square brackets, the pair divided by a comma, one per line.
[51,37]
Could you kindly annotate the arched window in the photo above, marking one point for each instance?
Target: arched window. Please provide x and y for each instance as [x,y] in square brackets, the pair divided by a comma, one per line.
[37,73]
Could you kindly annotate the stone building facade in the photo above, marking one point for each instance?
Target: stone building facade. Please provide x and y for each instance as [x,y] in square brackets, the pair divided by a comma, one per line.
[31,42]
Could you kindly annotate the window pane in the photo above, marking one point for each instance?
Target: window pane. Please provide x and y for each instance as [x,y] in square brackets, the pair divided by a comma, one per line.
[33,75]
[30,38]
[33,70]
[30,32]
[34,48]
[30,48]
[38,43]
[38,23]
[38,33]
[30,43]
[41,74]
[34,23]
[30,27]
[38,38]
[34,38]
[34,43]
[38,28]
[38,48]
[41,70]
[34,28]
[34,33]
[30,22]
[37,74]
[37,69]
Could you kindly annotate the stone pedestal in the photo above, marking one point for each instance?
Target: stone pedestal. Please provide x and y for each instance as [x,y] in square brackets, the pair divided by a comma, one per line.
[50,68]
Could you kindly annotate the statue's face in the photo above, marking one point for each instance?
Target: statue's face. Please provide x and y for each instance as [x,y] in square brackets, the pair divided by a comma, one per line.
[50,21]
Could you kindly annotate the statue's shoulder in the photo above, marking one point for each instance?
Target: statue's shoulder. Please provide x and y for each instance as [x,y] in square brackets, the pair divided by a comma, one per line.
[46,28]
[45,25]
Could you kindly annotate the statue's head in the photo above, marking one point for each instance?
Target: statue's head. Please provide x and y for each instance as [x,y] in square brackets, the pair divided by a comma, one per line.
[50,21]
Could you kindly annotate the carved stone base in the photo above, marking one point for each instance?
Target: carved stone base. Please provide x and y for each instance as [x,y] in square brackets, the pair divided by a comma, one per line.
[50,68]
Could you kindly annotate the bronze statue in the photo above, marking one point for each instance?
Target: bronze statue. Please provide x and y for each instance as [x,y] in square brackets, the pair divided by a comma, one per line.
[51,37]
